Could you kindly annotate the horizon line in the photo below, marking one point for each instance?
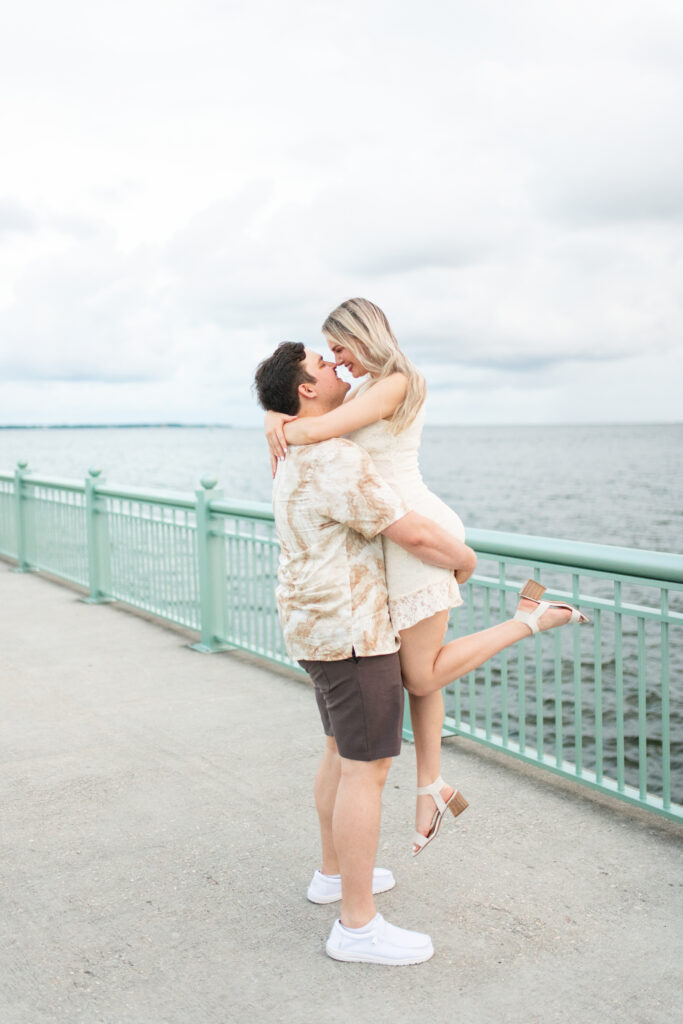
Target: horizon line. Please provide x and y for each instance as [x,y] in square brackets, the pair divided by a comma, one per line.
[231,426]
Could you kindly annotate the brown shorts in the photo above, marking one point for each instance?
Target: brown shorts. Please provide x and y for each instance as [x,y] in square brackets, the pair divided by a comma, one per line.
[361,704]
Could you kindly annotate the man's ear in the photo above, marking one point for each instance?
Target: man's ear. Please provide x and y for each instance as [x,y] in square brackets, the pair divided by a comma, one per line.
[307,390]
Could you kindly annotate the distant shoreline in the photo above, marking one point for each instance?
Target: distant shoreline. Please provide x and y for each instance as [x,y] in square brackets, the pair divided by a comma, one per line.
[231,426]
[109,426]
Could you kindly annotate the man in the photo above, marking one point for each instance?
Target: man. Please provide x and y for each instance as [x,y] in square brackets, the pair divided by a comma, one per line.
[331,508]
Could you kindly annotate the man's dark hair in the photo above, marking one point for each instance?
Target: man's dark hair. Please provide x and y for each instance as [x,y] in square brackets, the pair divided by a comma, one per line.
[278,377]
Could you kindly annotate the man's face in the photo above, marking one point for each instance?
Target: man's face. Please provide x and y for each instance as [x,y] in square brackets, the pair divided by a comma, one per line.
[329,387]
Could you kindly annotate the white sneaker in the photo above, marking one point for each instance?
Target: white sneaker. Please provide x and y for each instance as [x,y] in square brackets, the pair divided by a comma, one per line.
[327,888]
[378,943]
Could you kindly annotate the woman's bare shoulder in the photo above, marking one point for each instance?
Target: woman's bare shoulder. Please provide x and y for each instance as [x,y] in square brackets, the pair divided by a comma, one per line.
[398,380]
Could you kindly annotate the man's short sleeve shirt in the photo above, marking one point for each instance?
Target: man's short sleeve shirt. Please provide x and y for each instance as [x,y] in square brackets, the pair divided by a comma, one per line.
[330,507]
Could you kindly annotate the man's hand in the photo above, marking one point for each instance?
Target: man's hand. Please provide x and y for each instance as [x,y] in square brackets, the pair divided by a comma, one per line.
[430,543]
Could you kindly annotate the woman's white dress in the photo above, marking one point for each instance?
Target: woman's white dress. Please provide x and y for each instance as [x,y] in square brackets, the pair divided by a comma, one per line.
[416,590]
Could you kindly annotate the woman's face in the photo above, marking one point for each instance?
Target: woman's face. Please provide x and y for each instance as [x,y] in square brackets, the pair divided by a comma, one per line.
[343,357]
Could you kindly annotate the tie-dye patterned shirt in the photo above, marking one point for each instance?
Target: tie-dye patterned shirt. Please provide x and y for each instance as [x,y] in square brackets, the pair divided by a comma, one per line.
[331,506]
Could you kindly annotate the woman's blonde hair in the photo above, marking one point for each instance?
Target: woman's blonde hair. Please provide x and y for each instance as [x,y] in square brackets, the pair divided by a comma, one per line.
[362,327]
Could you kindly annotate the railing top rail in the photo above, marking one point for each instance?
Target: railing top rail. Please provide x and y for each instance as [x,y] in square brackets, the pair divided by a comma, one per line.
[662,566]
[665,566]
[658,565]
[177,499]
[58,483]
[246,509]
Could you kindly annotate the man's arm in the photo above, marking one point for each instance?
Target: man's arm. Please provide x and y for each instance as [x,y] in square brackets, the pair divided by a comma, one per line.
[369,503]
[430,543]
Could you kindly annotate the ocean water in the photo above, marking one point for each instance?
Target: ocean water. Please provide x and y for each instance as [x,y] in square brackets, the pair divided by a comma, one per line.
[604,484]
[618,485]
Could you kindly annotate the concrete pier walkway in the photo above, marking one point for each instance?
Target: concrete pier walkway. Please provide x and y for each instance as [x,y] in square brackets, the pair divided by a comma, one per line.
[158,834]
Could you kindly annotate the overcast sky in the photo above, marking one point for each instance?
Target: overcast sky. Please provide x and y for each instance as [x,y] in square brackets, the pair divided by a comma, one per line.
[185,184]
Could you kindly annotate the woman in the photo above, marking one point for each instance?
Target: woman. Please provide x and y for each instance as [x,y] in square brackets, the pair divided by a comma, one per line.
[385,415]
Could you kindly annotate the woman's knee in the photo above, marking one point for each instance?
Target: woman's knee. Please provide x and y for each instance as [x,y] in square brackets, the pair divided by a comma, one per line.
[417,676]
[418,686]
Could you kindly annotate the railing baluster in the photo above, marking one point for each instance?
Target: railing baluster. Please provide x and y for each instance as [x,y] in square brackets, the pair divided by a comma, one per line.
[178,595]
[150,561]
[471,676]
[539,698]
[619,684]
[504,656]
[239,582]
[160,560]
[185,568]
[521,696]
[126,540]
[457,693]
[261,577]
[147,527]
[251,577]
[557,662]
[231,569]
[578,693]
[597,693]
[268,561]
[642,712]
[191,564]
[136,558]
[666,732]
[487,667]
[183,582]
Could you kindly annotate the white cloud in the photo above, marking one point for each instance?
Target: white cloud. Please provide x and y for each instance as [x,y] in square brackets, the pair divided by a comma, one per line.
[15,218]
[187,185]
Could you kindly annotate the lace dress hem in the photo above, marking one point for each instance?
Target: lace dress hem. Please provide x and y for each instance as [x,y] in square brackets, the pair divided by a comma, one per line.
[409,609]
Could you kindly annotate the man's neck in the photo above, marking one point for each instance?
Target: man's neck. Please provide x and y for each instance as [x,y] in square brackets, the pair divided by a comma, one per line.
[314,407]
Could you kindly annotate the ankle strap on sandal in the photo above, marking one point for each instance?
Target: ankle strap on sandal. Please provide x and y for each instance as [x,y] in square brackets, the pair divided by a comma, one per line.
[434,790]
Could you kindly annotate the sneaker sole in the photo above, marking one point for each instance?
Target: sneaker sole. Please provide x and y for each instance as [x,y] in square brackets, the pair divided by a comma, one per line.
[369,958]
[335,899]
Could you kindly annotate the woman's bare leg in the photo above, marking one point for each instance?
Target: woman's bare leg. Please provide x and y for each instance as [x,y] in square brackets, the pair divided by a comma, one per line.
[427,666]
[426,715]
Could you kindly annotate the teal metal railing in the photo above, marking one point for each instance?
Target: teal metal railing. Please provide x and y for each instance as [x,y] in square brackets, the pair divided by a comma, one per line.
[601,704]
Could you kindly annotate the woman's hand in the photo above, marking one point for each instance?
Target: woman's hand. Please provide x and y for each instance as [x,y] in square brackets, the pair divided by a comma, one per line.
[273,424]
[469,564]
